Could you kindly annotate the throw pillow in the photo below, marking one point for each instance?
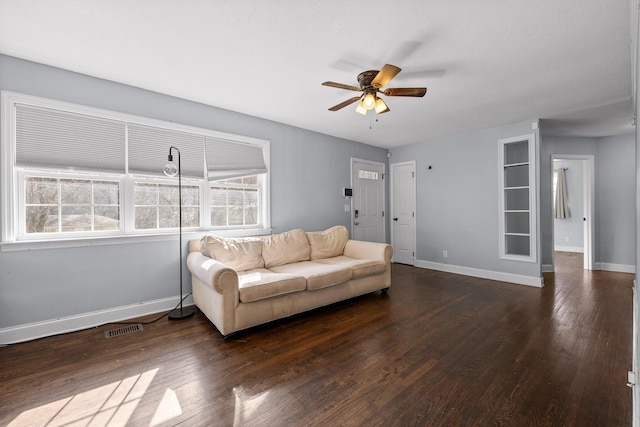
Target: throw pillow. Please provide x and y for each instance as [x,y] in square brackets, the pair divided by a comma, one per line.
[328,243]
[285,248]
[238,253]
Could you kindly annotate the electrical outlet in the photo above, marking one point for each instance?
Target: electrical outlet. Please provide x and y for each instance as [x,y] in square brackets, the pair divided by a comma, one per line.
[445,254]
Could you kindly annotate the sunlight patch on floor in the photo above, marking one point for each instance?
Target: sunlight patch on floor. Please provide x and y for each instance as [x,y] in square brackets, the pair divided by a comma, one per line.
[168,409]
[247,407]
[108,405]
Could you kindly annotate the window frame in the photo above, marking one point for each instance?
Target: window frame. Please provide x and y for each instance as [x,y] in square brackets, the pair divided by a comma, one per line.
[12,182]
[22,173]
[223,183]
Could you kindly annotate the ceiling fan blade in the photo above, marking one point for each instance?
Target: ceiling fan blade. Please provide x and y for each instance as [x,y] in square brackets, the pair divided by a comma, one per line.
[342,86]
[385,75]
[345,103]
[406,91]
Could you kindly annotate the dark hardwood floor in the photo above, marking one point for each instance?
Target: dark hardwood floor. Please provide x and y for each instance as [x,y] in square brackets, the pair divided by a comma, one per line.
[437,350]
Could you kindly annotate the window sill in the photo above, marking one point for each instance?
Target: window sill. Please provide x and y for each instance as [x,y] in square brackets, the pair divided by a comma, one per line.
[28,245]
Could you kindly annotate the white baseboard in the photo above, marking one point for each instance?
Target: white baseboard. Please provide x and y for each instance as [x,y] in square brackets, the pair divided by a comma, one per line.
[606,266]
[579,249]
[31,331]
[537,282]
[547,268]
[618,268]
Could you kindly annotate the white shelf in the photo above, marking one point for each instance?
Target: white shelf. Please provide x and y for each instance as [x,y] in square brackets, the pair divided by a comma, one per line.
[519,178]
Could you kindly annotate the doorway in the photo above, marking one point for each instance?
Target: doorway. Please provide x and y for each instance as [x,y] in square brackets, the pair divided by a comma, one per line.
[368,201]
[575,233]
[403,202]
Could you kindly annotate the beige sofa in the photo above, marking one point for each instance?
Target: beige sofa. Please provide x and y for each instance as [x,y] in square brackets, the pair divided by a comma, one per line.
[239,283]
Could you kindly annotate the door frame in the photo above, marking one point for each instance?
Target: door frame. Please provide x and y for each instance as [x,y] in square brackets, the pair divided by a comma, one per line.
[384,193]
[392,166]
[588,188]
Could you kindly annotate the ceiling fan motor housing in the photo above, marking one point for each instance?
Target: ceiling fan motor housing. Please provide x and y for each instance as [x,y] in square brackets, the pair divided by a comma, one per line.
[366,77]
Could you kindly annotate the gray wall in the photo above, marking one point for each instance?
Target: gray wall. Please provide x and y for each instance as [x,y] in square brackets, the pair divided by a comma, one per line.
[614,163]
[457,200]
[616,190]
[569,232]
[308,171]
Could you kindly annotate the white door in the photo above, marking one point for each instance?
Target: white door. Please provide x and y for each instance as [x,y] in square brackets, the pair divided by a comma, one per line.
[367,213]
[403,200]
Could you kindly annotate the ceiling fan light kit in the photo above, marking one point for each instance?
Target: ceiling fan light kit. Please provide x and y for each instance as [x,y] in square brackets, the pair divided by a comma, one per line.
[371,82]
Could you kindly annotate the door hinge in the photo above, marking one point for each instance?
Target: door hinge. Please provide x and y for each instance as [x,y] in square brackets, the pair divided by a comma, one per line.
[413,174]
[631,378]
[383,214]
[382,176]
[413,214]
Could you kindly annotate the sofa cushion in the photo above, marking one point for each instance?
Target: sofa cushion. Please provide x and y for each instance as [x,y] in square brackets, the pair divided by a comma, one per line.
[285,248]
[261,283]
[328,243]
[238,253]
[359,267]
[318,275]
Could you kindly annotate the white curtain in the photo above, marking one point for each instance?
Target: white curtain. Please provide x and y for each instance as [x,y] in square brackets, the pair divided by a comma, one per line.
[561,207]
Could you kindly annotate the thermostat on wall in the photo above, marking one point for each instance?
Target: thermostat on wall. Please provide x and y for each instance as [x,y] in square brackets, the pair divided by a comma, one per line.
[347,192]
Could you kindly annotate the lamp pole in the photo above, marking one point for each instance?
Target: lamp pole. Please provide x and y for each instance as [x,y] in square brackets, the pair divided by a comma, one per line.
[170,170]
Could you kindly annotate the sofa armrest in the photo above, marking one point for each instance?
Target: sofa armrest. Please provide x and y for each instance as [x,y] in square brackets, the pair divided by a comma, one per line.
[368,250]
[214,273]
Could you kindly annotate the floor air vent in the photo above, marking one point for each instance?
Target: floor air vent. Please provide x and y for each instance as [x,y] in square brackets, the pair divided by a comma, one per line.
[129,329]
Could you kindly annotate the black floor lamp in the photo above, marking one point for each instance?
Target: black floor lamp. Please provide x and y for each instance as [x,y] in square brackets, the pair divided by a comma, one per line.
[170,169]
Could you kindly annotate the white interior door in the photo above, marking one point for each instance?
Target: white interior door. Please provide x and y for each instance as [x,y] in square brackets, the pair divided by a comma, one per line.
[403,196]
[367,213]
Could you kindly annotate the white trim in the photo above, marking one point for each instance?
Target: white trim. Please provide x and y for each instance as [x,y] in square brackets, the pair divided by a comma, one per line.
[128,239]
[618,268]
[559,248]
[7,160]
[518,279]
[547,268]
[31,331]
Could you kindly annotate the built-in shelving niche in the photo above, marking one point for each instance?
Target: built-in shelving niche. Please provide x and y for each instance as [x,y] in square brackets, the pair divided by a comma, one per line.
[518,198]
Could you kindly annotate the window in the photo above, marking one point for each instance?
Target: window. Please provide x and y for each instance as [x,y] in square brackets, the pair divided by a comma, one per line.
[75,171]
[59,205]
[156,206]
[235,202]
[364,174]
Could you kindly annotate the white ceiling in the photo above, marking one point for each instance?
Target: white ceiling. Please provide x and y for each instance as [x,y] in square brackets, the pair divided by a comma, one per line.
[485,63]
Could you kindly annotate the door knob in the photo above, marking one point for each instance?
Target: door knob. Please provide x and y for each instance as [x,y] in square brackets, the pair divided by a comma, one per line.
[395,219]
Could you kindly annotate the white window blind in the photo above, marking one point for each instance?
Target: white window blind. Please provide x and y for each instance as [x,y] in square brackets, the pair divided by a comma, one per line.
[52,138]
[230,159]
[149,148]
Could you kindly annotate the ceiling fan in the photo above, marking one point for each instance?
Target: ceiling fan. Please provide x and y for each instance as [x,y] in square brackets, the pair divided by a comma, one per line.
[371,84]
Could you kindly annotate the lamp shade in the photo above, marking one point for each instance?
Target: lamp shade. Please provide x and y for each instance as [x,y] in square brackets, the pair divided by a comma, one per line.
[381,107]
[369,101]
[361,109]
[170,169]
